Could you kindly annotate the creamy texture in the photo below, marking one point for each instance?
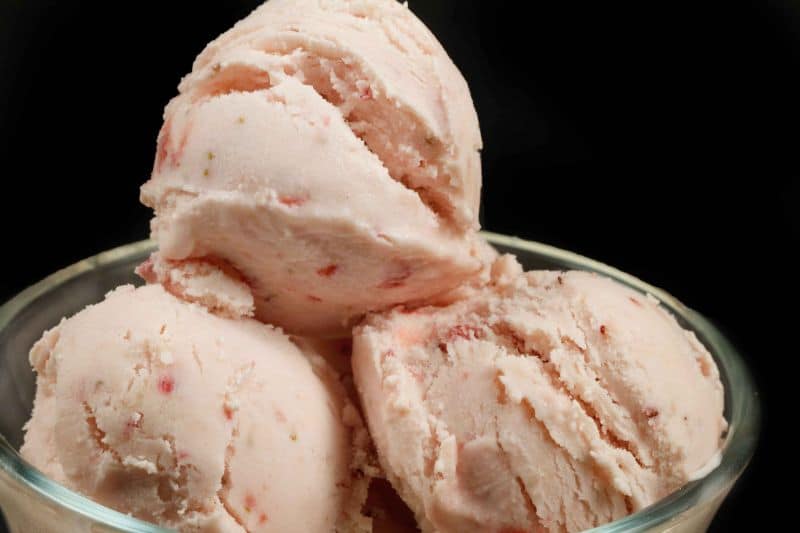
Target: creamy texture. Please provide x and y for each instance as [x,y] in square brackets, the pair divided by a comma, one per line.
[546,401]
[328,151]
[157,408]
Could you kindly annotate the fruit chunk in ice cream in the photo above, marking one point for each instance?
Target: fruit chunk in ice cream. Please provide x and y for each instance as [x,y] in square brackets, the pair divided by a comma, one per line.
[548,401]
[158,408]
[327,150]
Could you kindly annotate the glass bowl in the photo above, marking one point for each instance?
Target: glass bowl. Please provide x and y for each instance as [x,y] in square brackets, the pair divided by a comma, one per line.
[33,503]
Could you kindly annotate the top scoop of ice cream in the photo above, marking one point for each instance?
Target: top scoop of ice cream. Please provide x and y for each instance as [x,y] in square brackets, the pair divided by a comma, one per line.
[157,408]
[329,151]
[545,402]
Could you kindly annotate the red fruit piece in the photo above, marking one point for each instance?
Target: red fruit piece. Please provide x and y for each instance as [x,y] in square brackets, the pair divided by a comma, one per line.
[249,502]
[166,384]
[164,151]
[464,331]
[328,271]
[292,201]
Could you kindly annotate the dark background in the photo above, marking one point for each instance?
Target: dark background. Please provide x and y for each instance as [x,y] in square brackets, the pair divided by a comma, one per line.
[659,137]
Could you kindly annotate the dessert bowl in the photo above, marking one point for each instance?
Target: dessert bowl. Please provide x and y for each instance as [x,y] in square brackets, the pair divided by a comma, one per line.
[31,502]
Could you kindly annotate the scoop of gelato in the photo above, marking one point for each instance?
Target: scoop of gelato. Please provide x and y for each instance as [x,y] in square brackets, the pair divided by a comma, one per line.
[328,151]
[158,408]
[545,401]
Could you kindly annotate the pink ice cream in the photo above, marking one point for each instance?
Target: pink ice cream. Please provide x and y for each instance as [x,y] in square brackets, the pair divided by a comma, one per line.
[327,151]
[318,170]
[158,408]
[547,401]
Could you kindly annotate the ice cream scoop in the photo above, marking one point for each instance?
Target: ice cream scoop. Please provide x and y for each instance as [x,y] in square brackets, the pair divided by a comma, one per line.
[546,401]
[158,408]
[328,151]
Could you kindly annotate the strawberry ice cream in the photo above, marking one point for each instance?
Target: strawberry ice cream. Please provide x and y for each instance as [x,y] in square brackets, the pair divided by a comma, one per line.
[328,151]
[319,171]
[158,408]
[547,401]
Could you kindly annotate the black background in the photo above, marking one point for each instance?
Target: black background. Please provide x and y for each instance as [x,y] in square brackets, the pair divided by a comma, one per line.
[659,137]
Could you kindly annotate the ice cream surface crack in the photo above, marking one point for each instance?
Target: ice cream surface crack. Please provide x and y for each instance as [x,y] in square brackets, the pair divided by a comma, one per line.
[533,515]
[97,434]
[223,493]
[523,346]
[229,407]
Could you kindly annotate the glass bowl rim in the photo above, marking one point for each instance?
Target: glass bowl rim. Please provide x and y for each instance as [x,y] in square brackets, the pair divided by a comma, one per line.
[738,449]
